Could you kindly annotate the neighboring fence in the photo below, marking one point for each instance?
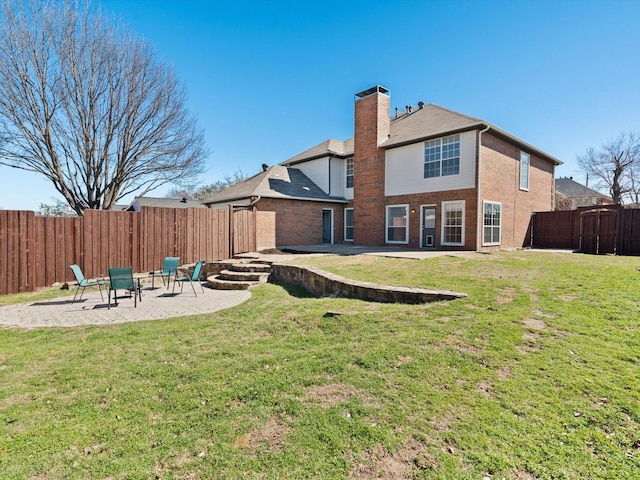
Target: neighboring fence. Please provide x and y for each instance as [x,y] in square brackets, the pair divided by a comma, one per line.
[596,230]
[37,251]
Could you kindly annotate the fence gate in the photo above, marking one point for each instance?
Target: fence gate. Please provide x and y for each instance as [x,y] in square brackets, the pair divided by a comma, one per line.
[598,231]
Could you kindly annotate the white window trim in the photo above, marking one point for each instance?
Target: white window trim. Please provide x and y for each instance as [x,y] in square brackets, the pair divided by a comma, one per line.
[460,156]
[489,244]
[345,225]
[406,227]
[443,222]
[528,170]
[346,171]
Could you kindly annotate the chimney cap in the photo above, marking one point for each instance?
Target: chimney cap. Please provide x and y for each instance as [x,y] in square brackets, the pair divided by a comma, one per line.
[372,90]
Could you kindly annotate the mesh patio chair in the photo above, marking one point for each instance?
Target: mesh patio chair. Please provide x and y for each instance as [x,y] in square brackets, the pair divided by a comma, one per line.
[84,283]
[169,267]
[121,278]
[194,277]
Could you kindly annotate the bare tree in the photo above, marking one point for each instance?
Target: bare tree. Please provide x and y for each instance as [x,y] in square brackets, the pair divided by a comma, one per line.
[613,165]
[634,183]
[89,106]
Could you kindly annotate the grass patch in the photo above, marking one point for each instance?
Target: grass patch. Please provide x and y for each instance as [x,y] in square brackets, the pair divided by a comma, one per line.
[531,376]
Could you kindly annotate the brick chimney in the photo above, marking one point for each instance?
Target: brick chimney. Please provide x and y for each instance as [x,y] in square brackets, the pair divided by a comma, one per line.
[372,127]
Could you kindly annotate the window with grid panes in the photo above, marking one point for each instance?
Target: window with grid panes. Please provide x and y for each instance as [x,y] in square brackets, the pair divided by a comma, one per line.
[453,223]
[491,223]
[442,157]
[349,172]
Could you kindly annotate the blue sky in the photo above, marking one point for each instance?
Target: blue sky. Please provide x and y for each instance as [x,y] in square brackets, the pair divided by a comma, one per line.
[269,79]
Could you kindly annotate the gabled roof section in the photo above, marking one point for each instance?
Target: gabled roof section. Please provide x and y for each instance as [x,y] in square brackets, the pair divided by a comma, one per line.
[276,182]
[569,188]
[328,148]
[429,121]
[432,121]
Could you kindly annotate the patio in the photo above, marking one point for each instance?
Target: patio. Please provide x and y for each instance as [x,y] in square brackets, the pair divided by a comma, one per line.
[92,309]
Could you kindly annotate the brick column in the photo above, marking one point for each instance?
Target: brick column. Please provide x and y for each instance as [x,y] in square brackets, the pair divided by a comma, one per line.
[372,127]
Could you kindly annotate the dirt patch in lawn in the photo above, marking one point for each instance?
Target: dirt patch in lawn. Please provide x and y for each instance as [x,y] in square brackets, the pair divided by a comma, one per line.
[534,324]
[272,435]
[381,464]
[333,394]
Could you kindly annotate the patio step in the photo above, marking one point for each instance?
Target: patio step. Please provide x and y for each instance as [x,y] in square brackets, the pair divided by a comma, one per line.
[240,276]
[251,267]
[244,276]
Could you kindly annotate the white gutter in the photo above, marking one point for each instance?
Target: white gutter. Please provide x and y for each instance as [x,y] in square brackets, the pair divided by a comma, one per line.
[479,211]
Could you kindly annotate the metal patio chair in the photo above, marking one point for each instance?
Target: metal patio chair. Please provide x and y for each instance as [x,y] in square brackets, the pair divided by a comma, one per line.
[169,267]
[121,278]
[194,277]
[84,283]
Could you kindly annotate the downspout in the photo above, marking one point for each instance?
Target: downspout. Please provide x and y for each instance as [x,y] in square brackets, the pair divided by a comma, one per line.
[479,211]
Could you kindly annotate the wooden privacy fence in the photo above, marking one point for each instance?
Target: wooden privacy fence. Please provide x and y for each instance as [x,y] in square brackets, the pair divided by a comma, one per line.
[37,251]
[595,229]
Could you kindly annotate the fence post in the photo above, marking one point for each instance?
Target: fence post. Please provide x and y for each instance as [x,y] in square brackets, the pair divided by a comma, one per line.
[619,224]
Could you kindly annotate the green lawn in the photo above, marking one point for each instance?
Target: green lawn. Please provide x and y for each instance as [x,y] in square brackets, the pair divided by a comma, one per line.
[534,375]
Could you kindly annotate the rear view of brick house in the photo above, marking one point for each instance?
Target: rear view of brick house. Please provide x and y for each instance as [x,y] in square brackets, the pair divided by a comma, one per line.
[424,177]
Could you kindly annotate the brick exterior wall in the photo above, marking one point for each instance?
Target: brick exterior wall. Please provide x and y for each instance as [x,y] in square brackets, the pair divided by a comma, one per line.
[416,201]
[500,182]
[372,126]
[299,222]
[265,230]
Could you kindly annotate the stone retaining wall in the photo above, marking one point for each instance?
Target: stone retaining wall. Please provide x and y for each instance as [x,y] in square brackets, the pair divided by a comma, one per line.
[323,284]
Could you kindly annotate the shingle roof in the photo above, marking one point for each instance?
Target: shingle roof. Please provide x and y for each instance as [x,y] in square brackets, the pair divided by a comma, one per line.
[426,122]
[277,181]
[164,202]
[572,189]
[331,147]
[430,121]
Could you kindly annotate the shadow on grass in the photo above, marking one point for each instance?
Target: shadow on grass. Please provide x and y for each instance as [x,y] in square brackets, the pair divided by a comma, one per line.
[295,290]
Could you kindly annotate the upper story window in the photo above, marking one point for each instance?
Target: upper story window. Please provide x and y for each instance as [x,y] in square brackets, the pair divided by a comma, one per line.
[525,161]
[349,172]
[442,157]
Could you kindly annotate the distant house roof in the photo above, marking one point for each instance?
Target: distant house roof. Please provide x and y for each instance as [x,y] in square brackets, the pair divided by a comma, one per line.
[568,187]
[430,121]
[140,202]
[275,182]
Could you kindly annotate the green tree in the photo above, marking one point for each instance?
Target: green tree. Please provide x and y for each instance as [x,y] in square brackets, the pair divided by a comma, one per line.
[57,209]
[88,105]
[193,192]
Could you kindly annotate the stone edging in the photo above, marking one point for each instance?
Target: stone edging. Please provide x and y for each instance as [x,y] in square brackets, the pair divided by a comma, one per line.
[323,284]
